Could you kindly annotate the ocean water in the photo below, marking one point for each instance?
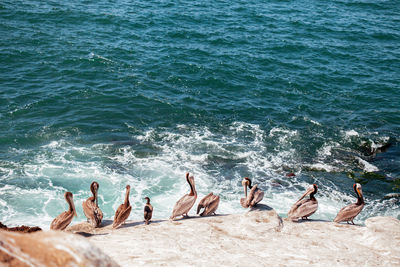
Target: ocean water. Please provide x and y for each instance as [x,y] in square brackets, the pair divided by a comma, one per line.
[141,92]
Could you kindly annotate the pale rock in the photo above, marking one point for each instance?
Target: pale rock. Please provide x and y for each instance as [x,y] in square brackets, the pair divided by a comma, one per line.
[51,248]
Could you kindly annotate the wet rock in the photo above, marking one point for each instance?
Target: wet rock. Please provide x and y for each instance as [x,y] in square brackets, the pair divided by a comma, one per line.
[22,228]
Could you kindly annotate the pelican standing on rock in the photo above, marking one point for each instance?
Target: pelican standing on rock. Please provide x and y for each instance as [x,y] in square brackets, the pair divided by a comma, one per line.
[304,208]
[348,213]
[184,204]
[209,203]
[148,211]
[123,210]
[254,197]
[91,208]
[64,219]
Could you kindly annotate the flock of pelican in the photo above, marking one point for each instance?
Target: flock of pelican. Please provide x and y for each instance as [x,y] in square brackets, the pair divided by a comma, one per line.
[302,209]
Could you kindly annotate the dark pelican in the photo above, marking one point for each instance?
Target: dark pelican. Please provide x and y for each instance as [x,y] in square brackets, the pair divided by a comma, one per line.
[254,197]
[91,208]
[186,202]
[123,210]
[348,213]
[304,208]
[148,211]
[209,203]
[64,219]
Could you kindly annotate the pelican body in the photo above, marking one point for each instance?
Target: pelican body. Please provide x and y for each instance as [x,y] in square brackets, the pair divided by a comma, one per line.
[348,213]
[123,210]
[209,203]
[91,208]
[186,202]
[304,208]
[148,211]
[254,197]
[64,219]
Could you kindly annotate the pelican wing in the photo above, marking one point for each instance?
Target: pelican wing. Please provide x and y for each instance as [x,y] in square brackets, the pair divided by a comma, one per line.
[118,212]
[211,206]
[122,215]
[292,212]
[303,208]
[348,213]
[204,202]
[93,213]
[255,196]
[183,205]
[243,202]
[258,196]
[62,221]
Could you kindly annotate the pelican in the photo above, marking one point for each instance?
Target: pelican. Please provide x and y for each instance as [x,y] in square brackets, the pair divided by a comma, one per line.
[186,202]
[304,208]
[254,197]
[148,211]
[348,213]
[64,219]
[91,208]
[123,210]
[209,203]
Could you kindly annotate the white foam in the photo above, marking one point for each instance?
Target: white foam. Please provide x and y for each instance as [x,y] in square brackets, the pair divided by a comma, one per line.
[368,167]
[63,166]
[312,121]
[351,133]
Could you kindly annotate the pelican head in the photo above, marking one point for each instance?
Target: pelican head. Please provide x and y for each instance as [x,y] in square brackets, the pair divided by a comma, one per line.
[247,181]
[311,189]
[94,187]
[358,189]
[128,187]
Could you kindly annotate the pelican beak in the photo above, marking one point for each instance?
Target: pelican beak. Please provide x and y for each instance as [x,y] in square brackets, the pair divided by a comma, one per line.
[359,190]
[95,195]
[308,191]
[73,207]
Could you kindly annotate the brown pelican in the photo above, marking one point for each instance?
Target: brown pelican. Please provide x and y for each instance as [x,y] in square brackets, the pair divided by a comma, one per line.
[186,202]
[209,203]
[148,211]
[304,208]
[255,195]
[123,210]
[91,208]
[348,213]
[64,219]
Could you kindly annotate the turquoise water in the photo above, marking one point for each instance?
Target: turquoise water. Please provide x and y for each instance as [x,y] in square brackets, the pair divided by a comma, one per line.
[141,92]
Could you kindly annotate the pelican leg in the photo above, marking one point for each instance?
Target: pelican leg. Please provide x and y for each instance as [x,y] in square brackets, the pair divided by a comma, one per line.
[347,222]
[352,222]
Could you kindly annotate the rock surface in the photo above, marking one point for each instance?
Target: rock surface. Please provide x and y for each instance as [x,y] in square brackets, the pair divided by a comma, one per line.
[258,237]
[50,248]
